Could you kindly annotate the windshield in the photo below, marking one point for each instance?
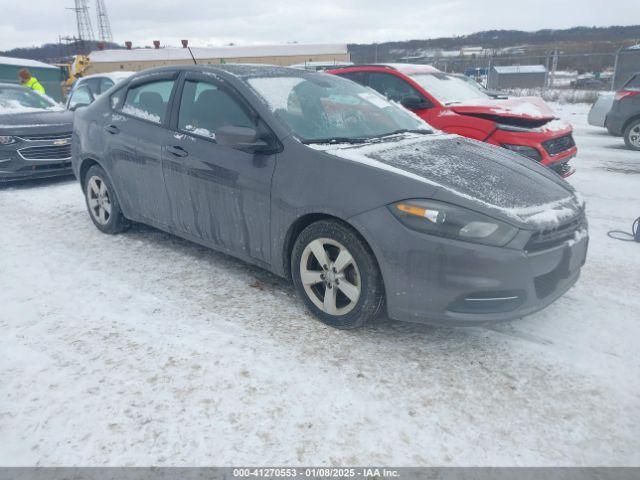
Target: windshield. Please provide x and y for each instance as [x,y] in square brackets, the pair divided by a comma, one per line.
[448,89]
[324,108]
[17,100]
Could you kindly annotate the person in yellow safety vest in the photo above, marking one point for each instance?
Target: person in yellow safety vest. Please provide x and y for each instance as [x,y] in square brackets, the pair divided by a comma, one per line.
[30,82]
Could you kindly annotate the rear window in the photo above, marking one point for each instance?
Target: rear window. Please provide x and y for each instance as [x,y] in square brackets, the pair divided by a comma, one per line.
[633,83]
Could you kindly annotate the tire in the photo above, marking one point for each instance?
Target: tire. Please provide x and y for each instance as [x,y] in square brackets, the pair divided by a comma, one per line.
[632,135]
[355,289]
[102,203]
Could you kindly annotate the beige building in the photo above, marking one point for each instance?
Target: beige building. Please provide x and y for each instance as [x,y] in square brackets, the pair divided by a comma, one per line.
[285,55]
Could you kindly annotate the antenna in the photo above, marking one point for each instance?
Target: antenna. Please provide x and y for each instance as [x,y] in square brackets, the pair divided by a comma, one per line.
[192,57]
[104,26]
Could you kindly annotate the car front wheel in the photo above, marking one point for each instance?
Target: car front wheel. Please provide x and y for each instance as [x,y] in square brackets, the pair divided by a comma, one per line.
[336,274]
[632,135]
[102,202]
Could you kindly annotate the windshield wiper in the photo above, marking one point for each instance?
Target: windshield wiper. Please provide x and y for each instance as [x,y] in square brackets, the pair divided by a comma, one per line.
[424,131]
[332,140]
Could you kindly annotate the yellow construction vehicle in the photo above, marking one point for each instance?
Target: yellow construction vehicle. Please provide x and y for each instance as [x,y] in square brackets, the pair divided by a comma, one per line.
[72,71]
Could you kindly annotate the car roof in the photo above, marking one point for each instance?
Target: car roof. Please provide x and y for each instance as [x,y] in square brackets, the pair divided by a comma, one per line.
[10,85]
[117,75]
[241,71]
[405,68]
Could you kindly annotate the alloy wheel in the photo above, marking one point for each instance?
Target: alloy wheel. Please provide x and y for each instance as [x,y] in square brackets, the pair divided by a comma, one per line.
[98,200]
[634,136]
[330,276]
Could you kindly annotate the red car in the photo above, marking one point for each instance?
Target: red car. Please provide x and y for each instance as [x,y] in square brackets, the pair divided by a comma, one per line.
[525,125]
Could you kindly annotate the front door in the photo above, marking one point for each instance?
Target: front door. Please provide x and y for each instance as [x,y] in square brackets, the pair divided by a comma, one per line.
[217,194]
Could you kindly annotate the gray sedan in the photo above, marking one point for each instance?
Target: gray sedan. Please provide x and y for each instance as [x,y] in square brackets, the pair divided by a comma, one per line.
[35,135]
[318,179]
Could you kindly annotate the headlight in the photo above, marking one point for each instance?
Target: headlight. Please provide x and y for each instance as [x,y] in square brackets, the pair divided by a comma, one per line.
[530,152]
[450,221]
[4,140]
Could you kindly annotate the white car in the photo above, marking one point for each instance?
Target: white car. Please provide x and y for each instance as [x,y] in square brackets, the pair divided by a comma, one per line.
[600,108]
[86,89]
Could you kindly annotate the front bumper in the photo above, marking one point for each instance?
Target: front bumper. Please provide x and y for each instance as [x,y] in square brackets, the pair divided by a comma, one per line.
[440,281]
[556,160]
[26,160]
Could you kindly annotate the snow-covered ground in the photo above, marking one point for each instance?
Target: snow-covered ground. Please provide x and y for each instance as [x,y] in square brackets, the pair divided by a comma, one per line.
[145,349]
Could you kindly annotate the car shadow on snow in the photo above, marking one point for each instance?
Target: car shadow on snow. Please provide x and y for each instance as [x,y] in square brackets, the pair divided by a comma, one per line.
[267,284]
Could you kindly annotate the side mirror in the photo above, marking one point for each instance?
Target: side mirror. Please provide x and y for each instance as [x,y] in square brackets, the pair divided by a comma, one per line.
[241,138]
[413,102]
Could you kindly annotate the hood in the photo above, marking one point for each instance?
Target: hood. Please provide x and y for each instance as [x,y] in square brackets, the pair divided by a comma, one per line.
[528,108]
[475,175]
[48,121]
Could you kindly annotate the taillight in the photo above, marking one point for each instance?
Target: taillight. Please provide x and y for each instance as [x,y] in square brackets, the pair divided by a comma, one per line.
[626,93]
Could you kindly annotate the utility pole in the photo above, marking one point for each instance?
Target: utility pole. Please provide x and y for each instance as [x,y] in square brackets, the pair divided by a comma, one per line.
[104,26]
[85,29]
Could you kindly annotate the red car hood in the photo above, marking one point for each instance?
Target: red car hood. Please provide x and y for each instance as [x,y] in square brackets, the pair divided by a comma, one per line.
[530,108]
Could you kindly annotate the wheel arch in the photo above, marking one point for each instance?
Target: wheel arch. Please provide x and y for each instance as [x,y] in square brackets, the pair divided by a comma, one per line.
[303,222]
[629,121]
[85,165]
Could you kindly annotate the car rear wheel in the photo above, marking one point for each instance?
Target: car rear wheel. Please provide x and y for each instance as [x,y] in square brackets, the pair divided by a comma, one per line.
[336,275]
[632,135]
[102,203]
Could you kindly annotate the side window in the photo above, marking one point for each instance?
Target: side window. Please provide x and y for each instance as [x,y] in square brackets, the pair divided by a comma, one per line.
[634,82]
[80,97]
[358,77]
[105,84]
[204,108]
[392,87]
[149,101]
[93,84]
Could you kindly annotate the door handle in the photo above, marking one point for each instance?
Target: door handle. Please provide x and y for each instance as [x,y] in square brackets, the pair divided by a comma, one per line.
[177,151]
[112,129]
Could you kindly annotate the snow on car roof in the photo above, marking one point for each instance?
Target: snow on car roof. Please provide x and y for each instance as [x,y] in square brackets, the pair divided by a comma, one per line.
[521,69]
[170,53]
[409,69]
[24,62]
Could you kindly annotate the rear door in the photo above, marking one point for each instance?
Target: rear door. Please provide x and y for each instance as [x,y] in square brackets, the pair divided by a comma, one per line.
[135,134]
[217,194]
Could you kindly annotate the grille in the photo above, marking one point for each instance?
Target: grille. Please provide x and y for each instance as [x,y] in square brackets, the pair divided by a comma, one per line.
[49,136]
[559,145]
[556,236]
[51,152]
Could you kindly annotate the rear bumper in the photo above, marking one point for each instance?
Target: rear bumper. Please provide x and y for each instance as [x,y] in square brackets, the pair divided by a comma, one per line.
[446,282]
[615,123]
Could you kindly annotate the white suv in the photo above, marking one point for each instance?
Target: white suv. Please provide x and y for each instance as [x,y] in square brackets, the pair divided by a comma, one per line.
[86,89]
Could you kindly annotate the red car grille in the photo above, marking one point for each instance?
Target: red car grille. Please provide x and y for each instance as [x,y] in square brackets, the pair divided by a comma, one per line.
[559,145]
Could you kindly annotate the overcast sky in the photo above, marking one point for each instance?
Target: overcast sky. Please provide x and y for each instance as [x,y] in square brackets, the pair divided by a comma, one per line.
[214,22]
